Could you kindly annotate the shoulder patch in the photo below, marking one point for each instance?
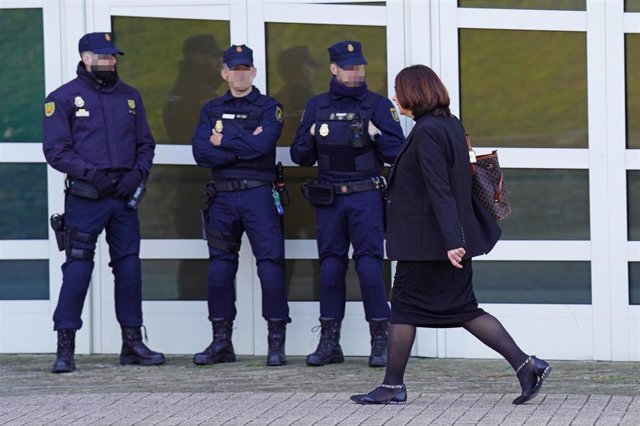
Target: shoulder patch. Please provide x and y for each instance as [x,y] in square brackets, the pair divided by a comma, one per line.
[279,114]
[49,109]
[394,114]
[131,103]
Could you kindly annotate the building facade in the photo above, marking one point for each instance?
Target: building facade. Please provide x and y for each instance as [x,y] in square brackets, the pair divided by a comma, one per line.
[554,85]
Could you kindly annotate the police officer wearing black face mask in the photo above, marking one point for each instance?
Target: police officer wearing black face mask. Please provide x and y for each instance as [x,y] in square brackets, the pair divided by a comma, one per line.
[351,132]
[95,130]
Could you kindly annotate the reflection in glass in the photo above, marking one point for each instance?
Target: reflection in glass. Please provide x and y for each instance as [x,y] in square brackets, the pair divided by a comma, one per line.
[633,204]
[24,280]
[298,64]
[524,88]
[547,205]
[632,5]
[526,4]
[175,63]
[21,75]
[299,216]
[632,46]
[171,206]
[532,282]
[175,279]
[303,280]
[634,283]
[23,201]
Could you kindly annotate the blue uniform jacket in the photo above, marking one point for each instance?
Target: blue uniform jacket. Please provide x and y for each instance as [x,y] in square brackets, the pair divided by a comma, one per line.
[241,154]
[88,127]
[431,209]
[384,116]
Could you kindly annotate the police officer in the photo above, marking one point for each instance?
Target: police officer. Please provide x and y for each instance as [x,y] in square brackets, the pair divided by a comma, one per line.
[96,131]
[236,138]
[351,132]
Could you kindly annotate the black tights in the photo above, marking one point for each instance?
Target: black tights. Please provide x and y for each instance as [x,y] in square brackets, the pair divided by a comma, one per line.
[485,327]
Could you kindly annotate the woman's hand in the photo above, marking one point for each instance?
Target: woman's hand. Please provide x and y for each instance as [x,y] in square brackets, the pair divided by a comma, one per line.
[455,256]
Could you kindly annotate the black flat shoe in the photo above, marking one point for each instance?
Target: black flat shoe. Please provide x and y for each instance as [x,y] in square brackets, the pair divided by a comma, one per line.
[541,369]
[398,395]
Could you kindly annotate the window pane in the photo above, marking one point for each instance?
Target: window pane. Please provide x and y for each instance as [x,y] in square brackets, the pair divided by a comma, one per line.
[303,280]
[183,279]
[23,201]
[298,64]
[299,217]
[21,75]
[524,88]
[172,203]
[547,205]
[526,4]
[632,5]
[633,204]
[532,282]
[175,63]
[634,283]
[24,280]
[633,89]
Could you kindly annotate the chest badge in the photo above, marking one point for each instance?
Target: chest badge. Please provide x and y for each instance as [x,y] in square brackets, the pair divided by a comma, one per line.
[78,101]
[219,126]
[131,103]
[324,130]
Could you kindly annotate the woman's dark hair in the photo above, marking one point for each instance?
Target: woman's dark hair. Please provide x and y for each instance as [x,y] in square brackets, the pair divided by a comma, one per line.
[420,90]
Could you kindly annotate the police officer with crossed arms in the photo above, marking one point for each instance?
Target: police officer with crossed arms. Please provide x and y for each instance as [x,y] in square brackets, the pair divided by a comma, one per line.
[351,132]
[236,138]
[96,131]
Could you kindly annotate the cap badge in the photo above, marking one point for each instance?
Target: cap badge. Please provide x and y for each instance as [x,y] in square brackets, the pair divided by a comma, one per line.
[350,47]
[219,126]
[107,36]
[238,49]
[324,130]
[78,102]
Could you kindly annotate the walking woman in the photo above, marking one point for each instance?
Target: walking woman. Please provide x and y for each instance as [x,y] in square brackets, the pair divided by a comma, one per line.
[434,228]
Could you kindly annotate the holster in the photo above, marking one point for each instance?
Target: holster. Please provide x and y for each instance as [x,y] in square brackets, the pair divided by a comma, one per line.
[57,224]
[318,194]
[84,189]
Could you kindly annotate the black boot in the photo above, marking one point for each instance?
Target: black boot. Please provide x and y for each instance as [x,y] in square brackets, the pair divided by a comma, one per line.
[136,352]
[328,350]
[64,356]
[379,329]
[277,332]
[221,348]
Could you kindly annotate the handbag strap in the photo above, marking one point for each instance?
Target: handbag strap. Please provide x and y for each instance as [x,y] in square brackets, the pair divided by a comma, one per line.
[472,153]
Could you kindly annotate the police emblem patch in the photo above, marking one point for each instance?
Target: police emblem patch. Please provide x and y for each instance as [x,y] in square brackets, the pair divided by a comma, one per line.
[219,126]
[324,130]
[78,102]
[131,103]
[394,114]
[279,114]
[49,109]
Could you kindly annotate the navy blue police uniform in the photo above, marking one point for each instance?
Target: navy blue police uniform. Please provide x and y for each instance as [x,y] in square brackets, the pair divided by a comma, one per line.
[96,132]
[350,162]
[240,198]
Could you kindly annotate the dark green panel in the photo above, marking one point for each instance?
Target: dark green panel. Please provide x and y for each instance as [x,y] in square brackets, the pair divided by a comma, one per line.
[172,203]
[633,205]
[524,89]
[547,205]
[24,280]
[23,201]
[303,280]
[632,56]
[184,279]
[532,282]
[299,217]
[21,75]
[526,4]
[632,5]
[175,63]
[298,64]
[634,283]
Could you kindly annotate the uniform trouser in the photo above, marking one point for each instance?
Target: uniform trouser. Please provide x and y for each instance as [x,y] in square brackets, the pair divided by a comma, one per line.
[123,236]
[357,219]
[253,211]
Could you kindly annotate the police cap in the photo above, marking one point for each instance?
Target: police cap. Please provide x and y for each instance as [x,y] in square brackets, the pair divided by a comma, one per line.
[238,55]
[100,43]
[347,52]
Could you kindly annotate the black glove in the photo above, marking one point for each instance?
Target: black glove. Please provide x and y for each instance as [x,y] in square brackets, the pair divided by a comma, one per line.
[102,183]
[127,184]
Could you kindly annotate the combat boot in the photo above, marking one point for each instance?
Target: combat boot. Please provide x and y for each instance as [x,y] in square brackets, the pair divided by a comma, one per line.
[328,350]
[277,332]
[221,348]
[379,329]
[136,352]
[64,356]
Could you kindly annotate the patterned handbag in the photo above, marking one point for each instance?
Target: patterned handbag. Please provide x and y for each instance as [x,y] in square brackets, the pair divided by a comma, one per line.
[488,182]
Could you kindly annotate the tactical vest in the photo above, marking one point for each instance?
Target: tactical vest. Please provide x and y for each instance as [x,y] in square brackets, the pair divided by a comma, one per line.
[231,121]
[340,154]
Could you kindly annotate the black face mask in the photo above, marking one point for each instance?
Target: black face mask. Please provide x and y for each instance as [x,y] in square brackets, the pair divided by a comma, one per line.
[109,77]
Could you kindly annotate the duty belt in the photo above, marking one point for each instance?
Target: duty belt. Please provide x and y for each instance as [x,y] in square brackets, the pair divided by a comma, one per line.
[236,185]
[358,186]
